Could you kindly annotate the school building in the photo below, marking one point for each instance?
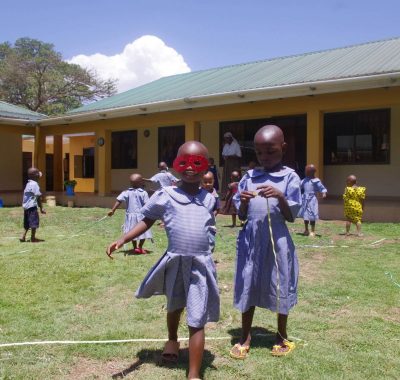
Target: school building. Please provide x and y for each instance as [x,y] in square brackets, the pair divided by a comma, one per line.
[339,109]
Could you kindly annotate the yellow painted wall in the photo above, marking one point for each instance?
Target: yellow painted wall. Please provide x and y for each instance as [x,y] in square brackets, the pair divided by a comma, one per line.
[210,117]
[76,145]
[380,180]
[11,162]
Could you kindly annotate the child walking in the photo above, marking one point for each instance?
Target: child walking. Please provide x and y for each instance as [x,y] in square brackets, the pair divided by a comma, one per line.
[310,187]
[229,207]
[30,202]
[353,197]
[207,183]
[135,198]
[186,272]
[266,265]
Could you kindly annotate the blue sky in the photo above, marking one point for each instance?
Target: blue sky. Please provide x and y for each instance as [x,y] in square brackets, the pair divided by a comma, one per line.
[205,33]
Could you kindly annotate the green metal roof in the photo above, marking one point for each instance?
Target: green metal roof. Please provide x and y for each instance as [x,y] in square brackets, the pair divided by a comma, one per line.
[369,59]
[12,111]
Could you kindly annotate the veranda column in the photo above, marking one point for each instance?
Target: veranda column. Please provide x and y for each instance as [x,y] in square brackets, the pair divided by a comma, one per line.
[315,140]
[40,156]
[103,147]
[192,130]
[58,163]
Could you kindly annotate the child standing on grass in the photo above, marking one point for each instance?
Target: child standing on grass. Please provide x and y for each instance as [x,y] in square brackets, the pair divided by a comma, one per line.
[186,272]
[229,207]
[266,266]
[135,198]
[207,183]
[354,197]
[30,202]
[311,187]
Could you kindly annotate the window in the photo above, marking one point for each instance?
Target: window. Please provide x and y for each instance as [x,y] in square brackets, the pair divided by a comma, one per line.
[169,141]
[360,137]
[124,150]
[294,128]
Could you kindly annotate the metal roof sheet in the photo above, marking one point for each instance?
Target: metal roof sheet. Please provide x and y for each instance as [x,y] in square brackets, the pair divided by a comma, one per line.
[12,111]
[369,59]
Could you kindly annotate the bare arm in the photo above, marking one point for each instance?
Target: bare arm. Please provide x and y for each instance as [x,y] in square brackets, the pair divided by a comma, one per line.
[116,205]
[39,202]
[136,231]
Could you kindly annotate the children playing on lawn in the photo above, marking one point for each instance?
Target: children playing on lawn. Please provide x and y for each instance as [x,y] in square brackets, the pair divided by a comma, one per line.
[207,183]
[266,265]
[135,198]
[163,177]
[186,272]
[229,207]
[354,197]
[311,188]
[30,202]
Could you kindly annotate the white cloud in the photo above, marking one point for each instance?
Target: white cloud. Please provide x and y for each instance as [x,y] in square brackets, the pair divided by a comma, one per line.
[143,60]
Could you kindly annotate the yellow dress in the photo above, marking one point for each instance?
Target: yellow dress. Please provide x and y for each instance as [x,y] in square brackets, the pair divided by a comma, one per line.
[353,197]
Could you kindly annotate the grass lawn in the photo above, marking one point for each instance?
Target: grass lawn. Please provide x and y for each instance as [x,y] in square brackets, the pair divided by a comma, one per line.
[65,288]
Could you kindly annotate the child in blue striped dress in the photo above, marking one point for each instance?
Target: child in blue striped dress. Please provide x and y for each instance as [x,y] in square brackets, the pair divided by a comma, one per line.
[266,265]
[186,272]
[135,198]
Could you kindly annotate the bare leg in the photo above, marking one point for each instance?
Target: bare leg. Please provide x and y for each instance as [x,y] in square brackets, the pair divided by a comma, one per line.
[358,226]
[282,323]
[233,220]
[141,242]
[312,223]
[196,350]
[33,235]
[173,319]
[134,244]
[348,224]
[306,232]
[23,237]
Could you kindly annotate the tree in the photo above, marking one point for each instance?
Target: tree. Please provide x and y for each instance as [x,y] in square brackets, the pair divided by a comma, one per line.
[33,75]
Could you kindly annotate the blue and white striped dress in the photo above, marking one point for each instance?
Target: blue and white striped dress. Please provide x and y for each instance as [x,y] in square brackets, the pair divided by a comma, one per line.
[186,272]
[135,199]
[309,206]
[256,271]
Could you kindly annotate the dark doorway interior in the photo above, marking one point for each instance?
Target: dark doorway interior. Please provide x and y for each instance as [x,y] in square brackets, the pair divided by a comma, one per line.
[49,172]
[26,164]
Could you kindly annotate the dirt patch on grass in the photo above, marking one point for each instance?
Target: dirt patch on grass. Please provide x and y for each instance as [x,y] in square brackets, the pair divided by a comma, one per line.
[310,266]
[393,315]
[84,369]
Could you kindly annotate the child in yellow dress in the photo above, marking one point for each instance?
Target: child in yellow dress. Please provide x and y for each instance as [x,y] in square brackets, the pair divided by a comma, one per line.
[353,204]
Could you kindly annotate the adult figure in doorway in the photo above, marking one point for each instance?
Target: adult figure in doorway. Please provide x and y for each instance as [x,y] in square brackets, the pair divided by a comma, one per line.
[232,154]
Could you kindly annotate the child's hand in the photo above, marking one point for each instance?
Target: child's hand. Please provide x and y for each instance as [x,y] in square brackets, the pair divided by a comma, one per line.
[245,196]
[113,247]
[269,192]
[111,213]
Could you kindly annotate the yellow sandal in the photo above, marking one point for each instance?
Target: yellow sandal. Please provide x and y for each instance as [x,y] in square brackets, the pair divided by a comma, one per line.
[239,352]
[286,344]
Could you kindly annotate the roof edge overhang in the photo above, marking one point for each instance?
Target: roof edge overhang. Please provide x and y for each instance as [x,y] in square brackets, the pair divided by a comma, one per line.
[233,97]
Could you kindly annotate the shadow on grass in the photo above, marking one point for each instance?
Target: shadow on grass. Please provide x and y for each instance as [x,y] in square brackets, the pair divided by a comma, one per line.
[153,356]
[260,337]
[131,252]
[302,234]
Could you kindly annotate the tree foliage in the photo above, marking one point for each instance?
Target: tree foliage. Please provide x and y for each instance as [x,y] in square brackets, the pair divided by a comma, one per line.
[33,75]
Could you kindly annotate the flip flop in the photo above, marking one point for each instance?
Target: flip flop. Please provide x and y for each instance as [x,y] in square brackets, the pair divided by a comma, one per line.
[239,352]
[171,352]
[286,345]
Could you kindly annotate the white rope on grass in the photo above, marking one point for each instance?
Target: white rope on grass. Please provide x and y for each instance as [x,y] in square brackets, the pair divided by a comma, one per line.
[139,340]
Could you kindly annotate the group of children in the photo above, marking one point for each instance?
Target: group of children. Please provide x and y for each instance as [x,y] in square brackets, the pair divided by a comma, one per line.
[266,274]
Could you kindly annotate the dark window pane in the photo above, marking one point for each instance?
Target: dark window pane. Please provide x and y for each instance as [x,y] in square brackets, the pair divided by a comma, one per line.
[124,150]
[169,141]
[88,162]
[359,137]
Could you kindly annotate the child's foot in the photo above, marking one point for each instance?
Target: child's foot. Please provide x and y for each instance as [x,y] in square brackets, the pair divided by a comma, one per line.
[171,352]
[312,234]
[283,348]
[22,240]
[239,351]
[36,240]
[306,233]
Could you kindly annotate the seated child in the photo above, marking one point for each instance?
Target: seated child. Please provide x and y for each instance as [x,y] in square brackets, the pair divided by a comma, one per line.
[31,201]
[311,187]
[207,183]
[135,198]
[354,197]
[229,207]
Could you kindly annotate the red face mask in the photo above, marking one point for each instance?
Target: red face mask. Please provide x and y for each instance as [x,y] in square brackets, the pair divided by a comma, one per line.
[196,163]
